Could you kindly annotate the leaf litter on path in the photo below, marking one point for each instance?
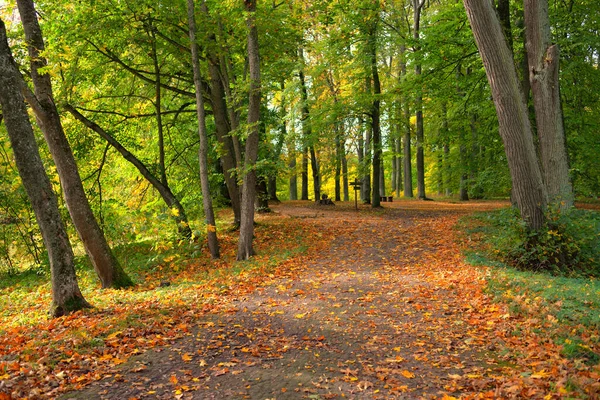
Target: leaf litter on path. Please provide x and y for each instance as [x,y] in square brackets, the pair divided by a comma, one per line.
[380,306]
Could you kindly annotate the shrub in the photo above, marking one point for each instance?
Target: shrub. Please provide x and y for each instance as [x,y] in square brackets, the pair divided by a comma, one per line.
[569,243]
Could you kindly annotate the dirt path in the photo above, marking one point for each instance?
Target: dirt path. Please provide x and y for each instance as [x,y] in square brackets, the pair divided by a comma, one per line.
[387,311]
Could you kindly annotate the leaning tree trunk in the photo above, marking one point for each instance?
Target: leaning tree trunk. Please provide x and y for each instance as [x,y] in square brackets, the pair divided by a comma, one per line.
[178,212]
[211,226]
[543,58]
[107,267]
[66,295]
[245,249]
[528,188]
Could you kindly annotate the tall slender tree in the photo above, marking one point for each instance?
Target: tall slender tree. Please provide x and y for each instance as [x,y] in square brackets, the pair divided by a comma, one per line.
[211,226]
[245,249]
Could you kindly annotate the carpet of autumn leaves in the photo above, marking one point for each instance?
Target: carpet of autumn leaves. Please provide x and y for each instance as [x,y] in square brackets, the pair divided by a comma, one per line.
[338,304]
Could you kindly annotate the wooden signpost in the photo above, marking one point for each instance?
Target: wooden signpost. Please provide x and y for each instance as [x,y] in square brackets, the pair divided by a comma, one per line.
[356,184]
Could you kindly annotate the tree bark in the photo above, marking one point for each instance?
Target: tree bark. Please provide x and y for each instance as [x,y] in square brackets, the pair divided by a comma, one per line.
[293,176]
[107,267]
[375,120]
[304,174]
[245,249]
[543,59]
[345,173]
[528,188]
[209,215]
[338,167]
[408,186]
[417,8]
[66,295]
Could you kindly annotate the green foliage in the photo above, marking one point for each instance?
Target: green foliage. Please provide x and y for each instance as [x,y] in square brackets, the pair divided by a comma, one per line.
[568,244]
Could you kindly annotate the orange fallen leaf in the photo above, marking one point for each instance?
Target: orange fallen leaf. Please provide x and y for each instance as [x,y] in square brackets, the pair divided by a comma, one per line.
[407,374]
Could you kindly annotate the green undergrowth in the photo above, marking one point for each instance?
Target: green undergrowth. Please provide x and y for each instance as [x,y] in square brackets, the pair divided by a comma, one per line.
[565,301]
[567,245]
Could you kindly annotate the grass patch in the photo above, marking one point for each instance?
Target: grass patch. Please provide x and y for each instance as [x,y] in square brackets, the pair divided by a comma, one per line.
[564,302]
[566,306]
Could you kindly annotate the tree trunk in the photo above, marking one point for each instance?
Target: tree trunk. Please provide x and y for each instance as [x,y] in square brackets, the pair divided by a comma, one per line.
[157,107]
[398,152]
[528,188]
[262,195]
[66,296]
[314,164]
[107,267]
[293,175]
[417,7]
[375,120]
[361,161]
[304,174]
[345,173]
[308,139]
[224,127]
[408,186]
[209,215]
[245,249]
[338,167]
[543,76]
[447,171]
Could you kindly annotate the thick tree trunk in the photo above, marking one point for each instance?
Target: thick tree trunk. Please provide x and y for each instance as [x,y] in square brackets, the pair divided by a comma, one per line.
[528,188]
[66,296]
[543,76]
[245,249]
[107,267]
[209,215]
[165,192]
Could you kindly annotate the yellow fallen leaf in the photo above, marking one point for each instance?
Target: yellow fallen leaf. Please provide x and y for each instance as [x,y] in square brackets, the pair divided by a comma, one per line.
[299,316]
[407,374]
[540,374]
